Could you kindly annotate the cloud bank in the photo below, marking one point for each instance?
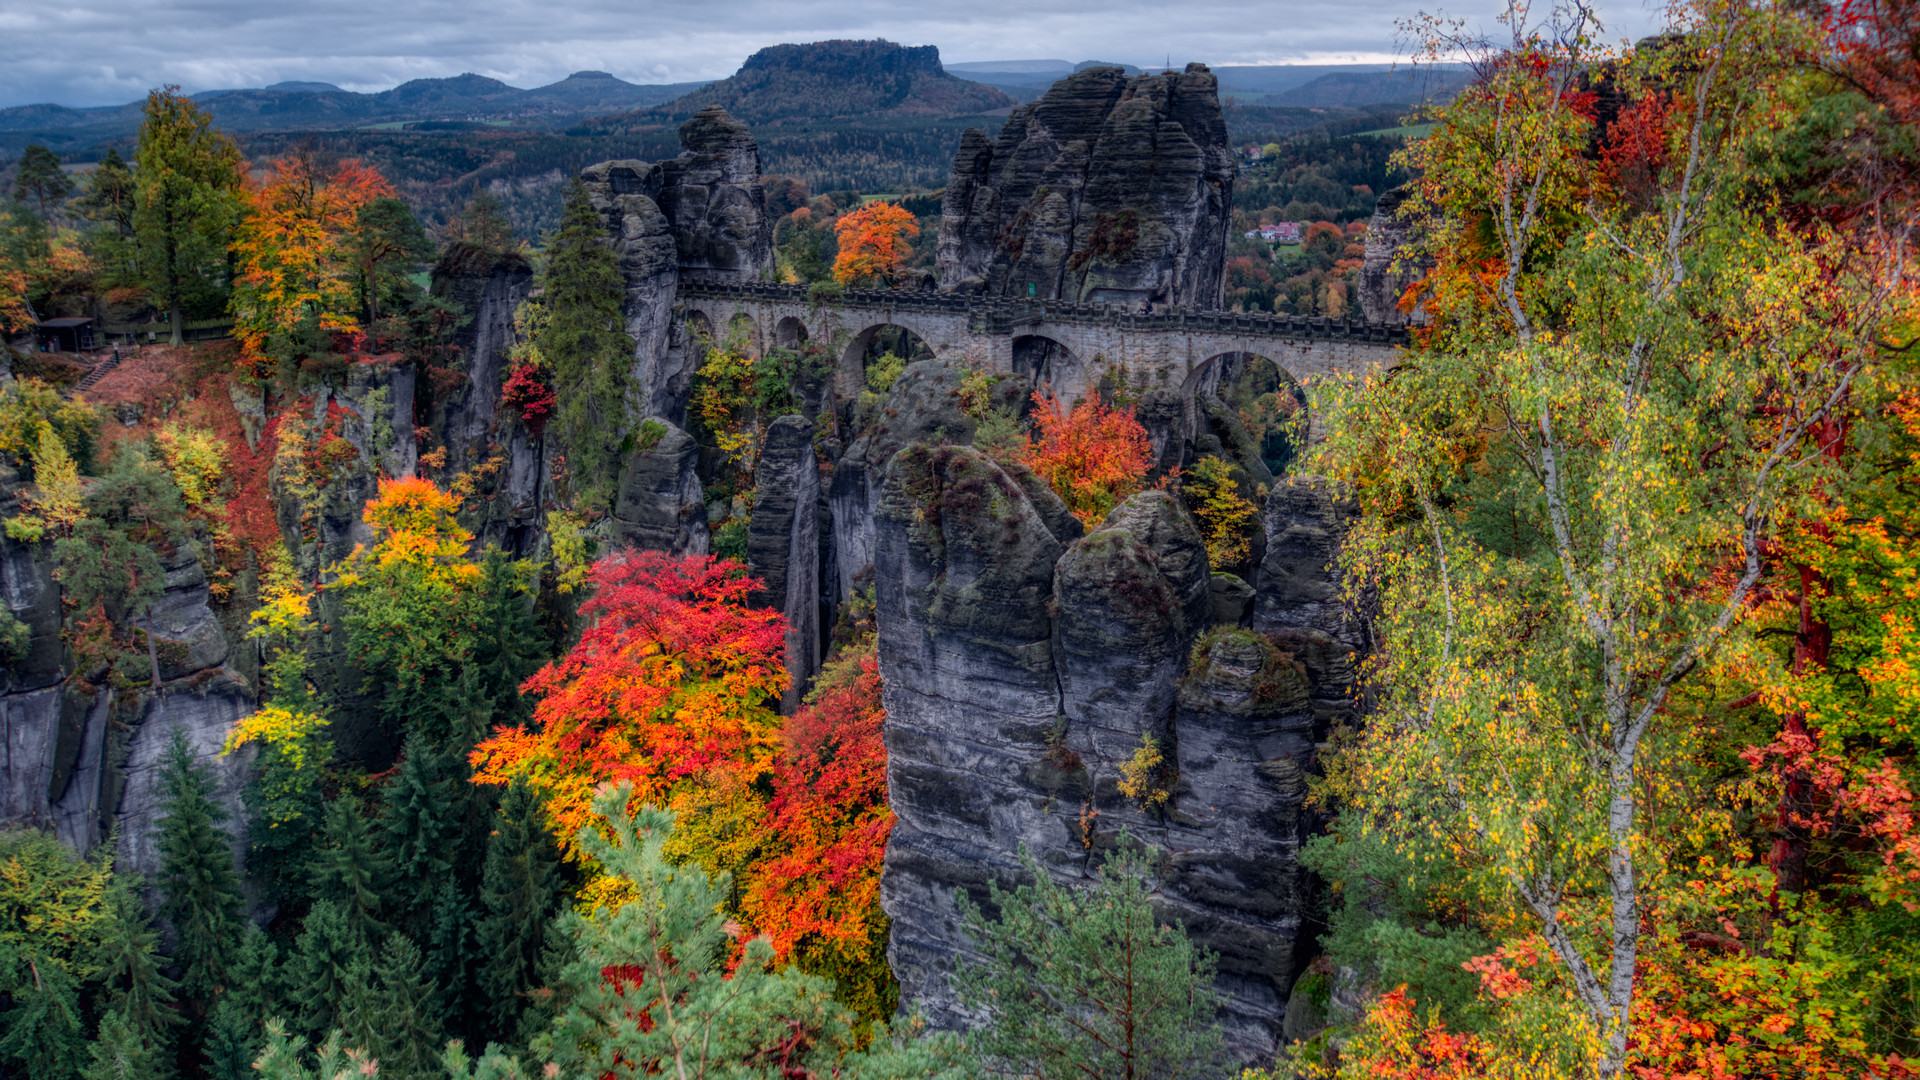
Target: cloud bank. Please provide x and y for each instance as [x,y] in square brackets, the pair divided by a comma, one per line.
[105,52]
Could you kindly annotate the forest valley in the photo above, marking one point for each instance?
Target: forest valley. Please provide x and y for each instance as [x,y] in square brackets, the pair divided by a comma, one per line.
[1633,524]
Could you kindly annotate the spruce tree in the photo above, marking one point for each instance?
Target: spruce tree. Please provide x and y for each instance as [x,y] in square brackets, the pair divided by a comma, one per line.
[422,830]
[252,997]
[510,646]
[450,957]
[127,966]
[329,961]
[42,1033]
[348,871]
[200,890]
[520,890]
[393,1015]
[119,1053]
[587,349]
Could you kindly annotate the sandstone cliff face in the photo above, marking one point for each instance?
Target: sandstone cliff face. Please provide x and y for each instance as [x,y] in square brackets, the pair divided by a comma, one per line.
[1107,189]
[783,545]
[82,758]
[1392,264]
[489,288]
[1026,663]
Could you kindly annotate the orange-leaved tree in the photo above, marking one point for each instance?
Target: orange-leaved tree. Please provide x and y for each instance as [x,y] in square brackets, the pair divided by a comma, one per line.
[668,690]
[816,892]
[295,253]
[1093,456]
[874,243]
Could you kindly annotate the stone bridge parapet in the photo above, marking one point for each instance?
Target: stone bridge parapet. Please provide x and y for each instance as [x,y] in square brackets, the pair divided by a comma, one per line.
[1069,345]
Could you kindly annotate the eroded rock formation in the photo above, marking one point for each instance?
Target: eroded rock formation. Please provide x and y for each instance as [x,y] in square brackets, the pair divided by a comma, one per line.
[1106,189]
[1392,265]
[1027,665]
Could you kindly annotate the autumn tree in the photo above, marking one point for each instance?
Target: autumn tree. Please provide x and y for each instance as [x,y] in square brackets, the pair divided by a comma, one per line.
[1570,498]
[1093,456]
[816,892]
[186,202]
[411,606]
[874,244]
[667,690]
[300,250]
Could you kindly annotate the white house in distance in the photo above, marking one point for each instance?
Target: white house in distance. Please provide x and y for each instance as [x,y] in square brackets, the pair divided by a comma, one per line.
[1285,232]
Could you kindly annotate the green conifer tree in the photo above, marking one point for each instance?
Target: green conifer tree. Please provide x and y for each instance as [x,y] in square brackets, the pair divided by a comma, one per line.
[330,959]
[349,871]
[119,1053]
[235,1031]
[393,1015]
[107,201]
[586,344]
[42,1034]
[1090,982]
[200,890]
[127,966]
[520,890]
[40,178]
[510,646]
[420,820]
[450,958]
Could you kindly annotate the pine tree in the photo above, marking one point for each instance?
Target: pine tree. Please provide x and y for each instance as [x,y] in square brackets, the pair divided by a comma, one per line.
[1089,983]
[329,961]
[197,880]
[119,1053]
[127,966]
[349,871]
[39,178]
[422,829]
[520,890]
[393,1014]
[252,997]
[586,344]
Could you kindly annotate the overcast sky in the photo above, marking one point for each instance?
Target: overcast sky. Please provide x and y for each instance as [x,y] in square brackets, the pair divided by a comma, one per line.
[103,52]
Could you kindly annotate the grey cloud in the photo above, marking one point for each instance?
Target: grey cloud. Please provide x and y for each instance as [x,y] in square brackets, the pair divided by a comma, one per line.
[102,52]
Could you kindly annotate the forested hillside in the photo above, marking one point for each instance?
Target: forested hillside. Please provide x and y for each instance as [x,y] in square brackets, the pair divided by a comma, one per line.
[502,658]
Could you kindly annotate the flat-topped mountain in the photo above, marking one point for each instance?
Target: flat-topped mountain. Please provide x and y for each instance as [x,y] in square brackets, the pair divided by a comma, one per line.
[829,80]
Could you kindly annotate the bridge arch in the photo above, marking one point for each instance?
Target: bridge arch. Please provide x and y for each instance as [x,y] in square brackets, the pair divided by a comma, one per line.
[1043,361]
[699,328]
[789,333]
[1261,396]
[747,331]
[868,345]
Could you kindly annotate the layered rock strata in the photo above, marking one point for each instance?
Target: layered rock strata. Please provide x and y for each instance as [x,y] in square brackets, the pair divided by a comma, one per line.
[1392,265]
[783,545]
[1027,666]
[1107,189]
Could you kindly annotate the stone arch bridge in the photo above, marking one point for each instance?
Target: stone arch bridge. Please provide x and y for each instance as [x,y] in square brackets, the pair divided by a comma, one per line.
[1071,345]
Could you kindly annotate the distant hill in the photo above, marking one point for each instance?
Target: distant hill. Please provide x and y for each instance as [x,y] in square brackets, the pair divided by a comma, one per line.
[317,106]
[832,80]
[1352,89]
